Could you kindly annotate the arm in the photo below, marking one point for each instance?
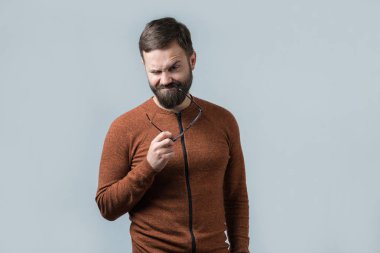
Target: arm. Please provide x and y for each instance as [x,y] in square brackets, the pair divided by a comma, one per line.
[120,188]
[235,195]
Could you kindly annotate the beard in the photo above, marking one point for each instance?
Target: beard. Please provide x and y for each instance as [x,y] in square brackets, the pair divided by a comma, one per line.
[169,95]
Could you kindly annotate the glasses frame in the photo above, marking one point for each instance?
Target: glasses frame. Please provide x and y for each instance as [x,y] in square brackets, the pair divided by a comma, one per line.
[191,123]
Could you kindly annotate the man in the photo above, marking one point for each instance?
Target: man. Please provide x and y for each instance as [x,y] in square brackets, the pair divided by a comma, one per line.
[175,162]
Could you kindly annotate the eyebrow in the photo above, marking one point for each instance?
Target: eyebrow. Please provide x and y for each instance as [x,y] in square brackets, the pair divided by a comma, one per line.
[154,70]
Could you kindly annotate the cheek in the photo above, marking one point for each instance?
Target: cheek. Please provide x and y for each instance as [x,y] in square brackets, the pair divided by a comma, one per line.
[177,77]
[154,80]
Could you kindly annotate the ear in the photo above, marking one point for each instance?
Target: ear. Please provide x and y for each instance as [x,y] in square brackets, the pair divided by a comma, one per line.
[143,63]
[193,60]
[142,60]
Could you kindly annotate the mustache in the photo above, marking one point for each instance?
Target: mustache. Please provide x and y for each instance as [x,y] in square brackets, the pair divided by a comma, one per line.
[176,85]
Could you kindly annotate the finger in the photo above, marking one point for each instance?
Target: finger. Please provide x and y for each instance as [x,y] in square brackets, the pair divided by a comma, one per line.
[163,151]
[161,136]
[165,143]
[167,156]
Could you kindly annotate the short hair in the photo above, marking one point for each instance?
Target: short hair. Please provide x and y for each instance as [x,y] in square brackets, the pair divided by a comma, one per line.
[159,33]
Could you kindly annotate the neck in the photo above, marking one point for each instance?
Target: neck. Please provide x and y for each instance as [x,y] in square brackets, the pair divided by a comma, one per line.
[176,109]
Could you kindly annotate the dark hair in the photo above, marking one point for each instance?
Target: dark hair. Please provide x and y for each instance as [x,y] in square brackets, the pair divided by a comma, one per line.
[159,33]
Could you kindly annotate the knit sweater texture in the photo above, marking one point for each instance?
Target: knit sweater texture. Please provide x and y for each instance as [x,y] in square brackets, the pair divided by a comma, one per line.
[197,200]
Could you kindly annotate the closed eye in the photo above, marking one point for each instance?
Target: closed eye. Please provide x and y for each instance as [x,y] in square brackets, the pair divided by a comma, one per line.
[155,72]
[174,68]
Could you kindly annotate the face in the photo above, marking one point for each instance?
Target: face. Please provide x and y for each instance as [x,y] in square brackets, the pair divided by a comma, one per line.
[167,70]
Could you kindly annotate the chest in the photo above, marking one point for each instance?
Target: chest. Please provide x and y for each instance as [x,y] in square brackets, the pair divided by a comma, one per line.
[203,148]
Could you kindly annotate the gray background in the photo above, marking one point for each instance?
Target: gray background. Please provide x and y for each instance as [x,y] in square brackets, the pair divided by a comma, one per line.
[301,77]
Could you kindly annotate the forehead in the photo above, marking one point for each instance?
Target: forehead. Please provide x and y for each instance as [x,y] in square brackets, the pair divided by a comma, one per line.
[160,58]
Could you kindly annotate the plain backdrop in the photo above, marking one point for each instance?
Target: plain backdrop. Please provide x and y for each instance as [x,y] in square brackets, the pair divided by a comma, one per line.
[301,77]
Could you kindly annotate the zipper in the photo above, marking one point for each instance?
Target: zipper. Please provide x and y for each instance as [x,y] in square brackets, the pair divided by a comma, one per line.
[193,245]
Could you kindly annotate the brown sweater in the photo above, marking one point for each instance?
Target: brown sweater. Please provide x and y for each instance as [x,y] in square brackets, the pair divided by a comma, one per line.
[201,192]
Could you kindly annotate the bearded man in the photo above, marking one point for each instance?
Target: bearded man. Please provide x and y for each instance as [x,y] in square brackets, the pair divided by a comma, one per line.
[175,162]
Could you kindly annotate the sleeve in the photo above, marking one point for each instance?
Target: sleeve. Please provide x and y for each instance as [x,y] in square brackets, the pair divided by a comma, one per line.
[119,187]
[235,195]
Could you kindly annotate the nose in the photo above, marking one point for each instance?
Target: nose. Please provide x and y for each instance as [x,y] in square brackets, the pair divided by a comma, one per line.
[165,78]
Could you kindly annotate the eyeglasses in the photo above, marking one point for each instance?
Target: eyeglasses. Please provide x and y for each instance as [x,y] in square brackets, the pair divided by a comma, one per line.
[191,123]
